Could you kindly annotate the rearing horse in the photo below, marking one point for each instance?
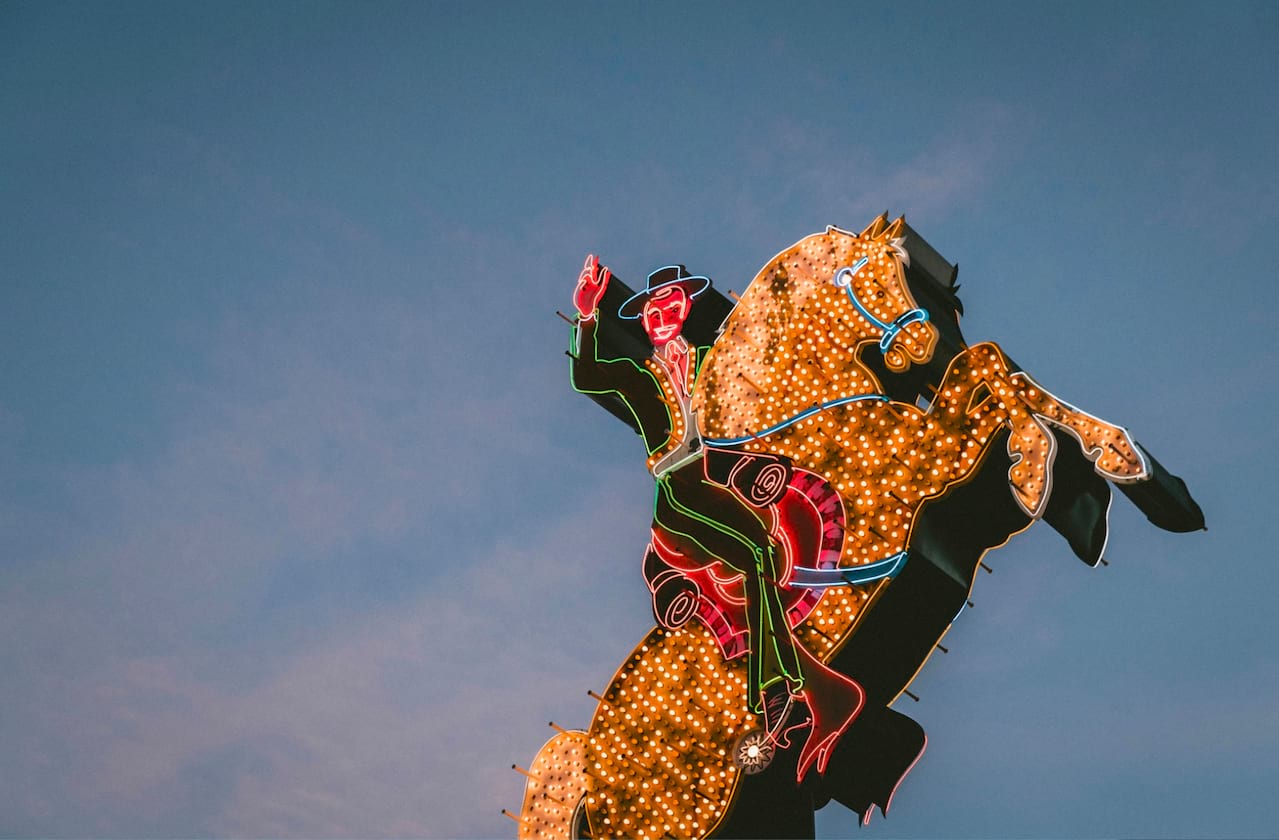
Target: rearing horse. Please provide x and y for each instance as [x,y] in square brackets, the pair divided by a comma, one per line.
[787,378]
[672,737]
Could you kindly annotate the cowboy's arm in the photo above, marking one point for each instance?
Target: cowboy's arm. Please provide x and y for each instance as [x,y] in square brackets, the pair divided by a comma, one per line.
[632,382]
[591,374]
[634,385]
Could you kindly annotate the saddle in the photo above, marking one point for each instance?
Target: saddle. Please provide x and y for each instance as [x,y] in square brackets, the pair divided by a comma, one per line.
[807,522]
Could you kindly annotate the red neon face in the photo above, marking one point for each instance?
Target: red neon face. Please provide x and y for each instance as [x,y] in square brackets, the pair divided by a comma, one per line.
[664,315]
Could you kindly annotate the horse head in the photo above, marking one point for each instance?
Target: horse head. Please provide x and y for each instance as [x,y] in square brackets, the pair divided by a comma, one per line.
[805,318]
[875,284]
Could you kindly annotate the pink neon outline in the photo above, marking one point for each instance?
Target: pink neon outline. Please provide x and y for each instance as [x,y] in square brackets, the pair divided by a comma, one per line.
[889,803]
[789,549]
[675,559]
[821,752]
[782,738]
[723,597]
[661,302]
[804,485]
[589,270]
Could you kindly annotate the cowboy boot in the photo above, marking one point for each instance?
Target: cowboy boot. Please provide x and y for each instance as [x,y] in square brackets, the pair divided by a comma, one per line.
[778,704]
[834,702]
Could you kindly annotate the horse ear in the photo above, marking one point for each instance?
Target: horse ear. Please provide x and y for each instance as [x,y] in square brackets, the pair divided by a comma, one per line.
[894,230]
[876,227]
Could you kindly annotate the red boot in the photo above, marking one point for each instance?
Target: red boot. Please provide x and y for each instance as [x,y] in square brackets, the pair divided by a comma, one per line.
[834,701]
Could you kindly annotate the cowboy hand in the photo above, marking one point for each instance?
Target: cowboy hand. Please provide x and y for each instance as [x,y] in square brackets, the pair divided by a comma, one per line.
[591,284]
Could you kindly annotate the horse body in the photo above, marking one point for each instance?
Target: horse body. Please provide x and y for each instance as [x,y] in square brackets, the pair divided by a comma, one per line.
[672,737]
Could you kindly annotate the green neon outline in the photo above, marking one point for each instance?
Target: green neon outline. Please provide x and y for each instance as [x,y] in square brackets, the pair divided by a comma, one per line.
[767,627]
[575,344]
[783,665]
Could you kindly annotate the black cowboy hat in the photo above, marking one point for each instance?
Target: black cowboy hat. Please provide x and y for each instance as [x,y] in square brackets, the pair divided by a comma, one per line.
[664,277]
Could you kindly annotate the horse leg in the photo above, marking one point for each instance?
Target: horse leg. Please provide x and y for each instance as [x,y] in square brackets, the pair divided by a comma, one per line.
[1032,449]
[981,388]
[1112,450]
[977,396]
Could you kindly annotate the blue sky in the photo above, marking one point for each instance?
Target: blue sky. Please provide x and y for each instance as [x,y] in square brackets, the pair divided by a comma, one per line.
[304,533]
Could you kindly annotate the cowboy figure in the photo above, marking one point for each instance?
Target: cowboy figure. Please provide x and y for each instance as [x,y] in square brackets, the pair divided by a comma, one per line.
[700,519]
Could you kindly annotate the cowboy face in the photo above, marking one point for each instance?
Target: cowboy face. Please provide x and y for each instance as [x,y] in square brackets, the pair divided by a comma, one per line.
[664,315]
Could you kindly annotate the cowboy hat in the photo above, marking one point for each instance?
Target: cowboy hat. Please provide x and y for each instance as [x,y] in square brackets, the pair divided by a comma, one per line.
[663,278]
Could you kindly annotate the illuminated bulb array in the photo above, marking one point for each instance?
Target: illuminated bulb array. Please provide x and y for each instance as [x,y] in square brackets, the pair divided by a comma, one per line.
[834,617]
[557,783]
[790,345]
[656,761]
[1111,449]
[659,749]
[679,422]
[885,459]
[791,341]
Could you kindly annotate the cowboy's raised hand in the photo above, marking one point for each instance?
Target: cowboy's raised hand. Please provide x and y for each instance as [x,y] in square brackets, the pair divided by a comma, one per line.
[591,284]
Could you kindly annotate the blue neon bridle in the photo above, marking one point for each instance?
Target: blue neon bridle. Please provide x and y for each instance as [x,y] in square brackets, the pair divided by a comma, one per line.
[844,279]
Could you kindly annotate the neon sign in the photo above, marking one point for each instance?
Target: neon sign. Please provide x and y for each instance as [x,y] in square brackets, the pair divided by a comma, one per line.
[794,494]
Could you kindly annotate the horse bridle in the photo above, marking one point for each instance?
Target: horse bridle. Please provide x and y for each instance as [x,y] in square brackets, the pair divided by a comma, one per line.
[844,279]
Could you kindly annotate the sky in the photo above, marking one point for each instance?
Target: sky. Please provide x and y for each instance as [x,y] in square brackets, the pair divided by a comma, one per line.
[303,532]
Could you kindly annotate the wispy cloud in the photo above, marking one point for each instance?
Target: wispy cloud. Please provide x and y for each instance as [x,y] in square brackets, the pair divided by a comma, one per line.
[843,179]
[384,725]
[308,612]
